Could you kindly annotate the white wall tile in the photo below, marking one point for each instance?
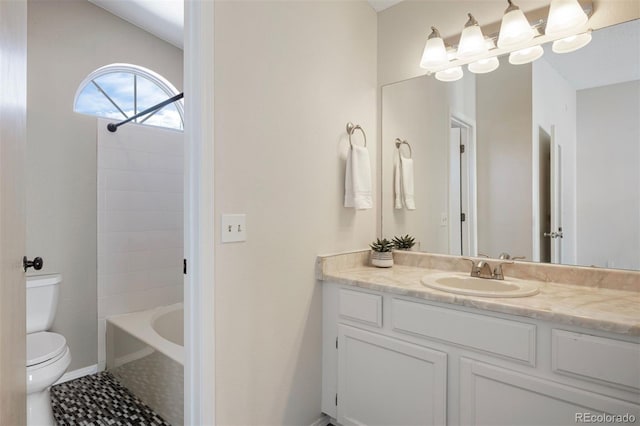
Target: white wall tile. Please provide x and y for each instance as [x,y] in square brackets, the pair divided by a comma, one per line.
[140,221]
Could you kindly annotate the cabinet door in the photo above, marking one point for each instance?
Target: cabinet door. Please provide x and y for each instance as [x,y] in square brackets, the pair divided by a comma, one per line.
[491,395]
[384,381]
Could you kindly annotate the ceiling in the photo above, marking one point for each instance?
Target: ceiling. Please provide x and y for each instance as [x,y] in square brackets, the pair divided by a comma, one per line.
[613,56]
[165,18]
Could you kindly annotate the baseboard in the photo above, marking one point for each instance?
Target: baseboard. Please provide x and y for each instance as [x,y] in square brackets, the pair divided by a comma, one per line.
[76,374]
[322,421]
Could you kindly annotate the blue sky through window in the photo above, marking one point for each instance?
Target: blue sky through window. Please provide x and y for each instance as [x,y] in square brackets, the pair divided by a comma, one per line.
[131,95]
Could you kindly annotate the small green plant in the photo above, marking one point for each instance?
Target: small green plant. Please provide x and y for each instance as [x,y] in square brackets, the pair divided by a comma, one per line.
[381,245]
[404,242]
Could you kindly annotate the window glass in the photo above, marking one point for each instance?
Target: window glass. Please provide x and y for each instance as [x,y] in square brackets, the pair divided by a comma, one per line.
[121,94]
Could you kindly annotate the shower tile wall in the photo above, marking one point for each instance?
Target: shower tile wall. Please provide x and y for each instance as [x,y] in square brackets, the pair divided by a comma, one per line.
[140,221]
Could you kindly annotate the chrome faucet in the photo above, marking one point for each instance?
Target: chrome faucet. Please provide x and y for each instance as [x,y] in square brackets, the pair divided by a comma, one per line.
[482,269]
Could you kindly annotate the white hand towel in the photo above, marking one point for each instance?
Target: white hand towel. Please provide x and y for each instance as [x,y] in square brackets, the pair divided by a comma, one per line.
[357,182]
[397,191]
[406,168]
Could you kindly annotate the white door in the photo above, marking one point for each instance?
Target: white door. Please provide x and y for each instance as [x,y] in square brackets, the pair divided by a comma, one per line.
[459,192]
[385,381]
[455,202]
[556,233]
[13,107]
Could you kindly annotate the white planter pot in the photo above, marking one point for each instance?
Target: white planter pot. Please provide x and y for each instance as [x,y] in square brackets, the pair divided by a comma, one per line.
[382,259]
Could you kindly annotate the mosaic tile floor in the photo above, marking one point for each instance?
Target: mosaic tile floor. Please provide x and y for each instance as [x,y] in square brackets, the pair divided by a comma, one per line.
[100,400]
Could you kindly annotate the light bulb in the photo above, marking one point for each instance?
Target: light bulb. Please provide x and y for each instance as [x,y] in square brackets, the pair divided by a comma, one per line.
[565,16]
[472,41]
[450,74]
[484,66]
[514,29]
[524,56]
[435,54]
[572,43]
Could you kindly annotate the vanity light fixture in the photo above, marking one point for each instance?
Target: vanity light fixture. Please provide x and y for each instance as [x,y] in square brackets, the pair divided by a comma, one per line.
[565,16]
[472,41]
[484,66]
[526,55]
[450,74]
[565,27]
[515,28]
[435,54]
[571,43]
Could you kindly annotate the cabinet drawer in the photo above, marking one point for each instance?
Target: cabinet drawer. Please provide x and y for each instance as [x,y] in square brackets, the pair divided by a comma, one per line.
[609,361]
[510,339]
[361,307]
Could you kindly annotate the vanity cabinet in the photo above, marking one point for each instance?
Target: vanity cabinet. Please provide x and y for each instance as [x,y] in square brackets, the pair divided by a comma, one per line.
[373,367]
[396,360]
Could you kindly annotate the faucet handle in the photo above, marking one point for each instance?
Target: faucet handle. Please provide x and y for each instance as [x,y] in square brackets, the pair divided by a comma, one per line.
[498,274]
[475,269]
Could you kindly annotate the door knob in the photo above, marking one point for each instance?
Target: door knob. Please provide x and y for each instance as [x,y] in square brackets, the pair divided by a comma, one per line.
[36,263]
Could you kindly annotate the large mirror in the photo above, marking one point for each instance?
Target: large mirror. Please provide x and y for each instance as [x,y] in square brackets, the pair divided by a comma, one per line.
[540,161]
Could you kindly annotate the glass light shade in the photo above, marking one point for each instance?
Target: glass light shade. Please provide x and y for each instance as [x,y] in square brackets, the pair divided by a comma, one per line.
[572,43]
[484,66]
[434,55]
[471,43]
[514,29]
[524,56]
[450,74]
[564,16]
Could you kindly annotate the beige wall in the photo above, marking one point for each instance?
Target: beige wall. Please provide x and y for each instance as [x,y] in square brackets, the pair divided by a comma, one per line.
[608,153]
[66,41]
[554,105]
[403,29]
[288,76]
[504,155]
[410,113]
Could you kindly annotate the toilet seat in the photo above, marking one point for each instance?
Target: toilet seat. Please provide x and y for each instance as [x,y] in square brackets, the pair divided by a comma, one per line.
[44,348]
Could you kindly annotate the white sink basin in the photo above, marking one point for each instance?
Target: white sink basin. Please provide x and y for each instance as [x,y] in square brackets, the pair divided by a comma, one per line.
[462,283]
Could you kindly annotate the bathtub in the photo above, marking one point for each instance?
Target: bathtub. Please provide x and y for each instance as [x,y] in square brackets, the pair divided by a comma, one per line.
[145,352]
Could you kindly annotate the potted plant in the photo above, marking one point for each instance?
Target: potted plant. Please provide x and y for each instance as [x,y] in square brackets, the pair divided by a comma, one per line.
[404,242]
[381,255]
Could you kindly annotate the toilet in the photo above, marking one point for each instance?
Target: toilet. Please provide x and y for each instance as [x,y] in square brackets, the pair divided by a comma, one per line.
[48,355]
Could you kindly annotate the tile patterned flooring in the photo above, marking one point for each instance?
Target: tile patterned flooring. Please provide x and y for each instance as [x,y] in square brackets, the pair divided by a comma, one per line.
[100,400]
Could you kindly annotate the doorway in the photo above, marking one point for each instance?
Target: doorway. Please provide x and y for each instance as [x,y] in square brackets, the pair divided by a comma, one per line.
[462,187]
[549,197]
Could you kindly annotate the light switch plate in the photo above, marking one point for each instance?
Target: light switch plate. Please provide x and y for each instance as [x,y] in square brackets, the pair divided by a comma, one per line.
[233,228]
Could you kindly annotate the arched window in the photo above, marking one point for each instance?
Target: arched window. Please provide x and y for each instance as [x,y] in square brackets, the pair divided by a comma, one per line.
[120,91]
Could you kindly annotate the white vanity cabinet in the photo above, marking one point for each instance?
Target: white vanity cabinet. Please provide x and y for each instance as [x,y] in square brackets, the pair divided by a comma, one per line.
[396,360]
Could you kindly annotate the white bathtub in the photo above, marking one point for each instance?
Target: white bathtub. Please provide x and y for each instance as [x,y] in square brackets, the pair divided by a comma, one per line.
[145,352]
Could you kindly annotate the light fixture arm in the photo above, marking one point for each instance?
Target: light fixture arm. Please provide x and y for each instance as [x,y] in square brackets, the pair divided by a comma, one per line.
[471,22]
[511,7]
[434,33]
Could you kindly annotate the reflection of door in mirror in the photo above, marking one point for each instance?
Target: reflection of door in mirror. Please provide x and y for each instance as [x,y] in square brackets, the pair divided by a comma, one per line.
[550,197]
[461,187]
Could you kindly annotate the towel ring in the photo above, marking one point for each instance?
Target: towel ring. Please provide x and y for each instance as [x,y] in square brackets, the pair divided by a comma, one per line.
[400,142]
[351,129]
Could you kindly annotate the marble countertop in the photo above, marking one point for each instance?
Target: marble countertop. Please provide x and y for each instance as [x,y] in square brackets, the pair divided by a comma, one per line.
[598,308]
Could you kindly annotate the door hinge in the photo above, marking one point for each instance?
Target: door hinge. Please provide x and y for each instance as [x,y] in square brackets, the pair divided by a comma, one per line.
[336,343]
[336,399]
[184,266]
[463,217]
[461,149]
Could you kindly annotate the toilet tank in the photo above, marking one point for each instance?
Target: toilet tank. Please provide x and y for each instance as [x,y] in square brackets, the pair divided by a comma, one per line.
[42,301]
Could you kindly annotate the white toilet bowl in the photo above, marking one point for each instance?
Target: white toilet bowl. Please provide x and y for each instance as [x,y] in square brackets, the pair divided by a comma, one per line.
[48,357]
